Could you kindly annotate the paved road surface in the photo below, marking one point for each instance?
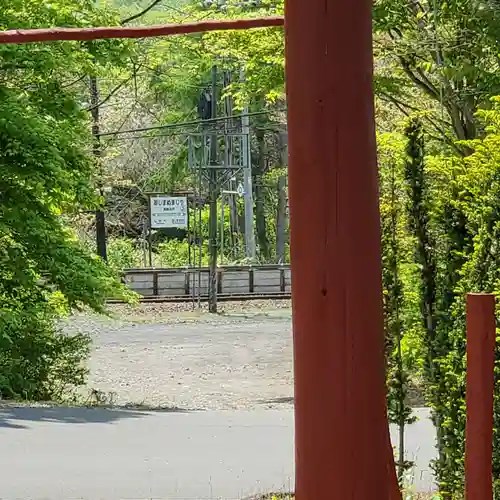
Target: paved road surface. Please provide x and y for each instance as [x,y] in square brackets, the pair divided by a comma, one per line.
[94,454]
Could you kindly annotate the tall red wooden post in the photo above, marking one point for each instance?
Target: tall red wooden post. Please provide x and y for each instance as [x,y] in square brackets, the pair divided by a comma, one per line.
[481,336]
[340,420]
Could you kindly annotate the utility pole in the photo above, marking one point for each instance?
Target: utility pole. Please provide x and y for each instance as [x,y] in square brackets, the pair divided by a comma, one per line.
[247,181]
[212,280]
[100,223]
[281,221]
[229,160]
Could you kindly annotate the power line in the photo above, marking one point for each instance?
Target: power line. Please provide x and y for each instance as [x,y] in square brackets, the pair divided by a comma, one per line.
[183,124]
[175,134]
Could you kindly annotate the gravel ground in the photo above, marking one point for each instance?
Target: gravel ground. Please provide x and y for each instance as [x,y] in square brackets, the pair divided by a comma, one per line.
[186,311]
[167,355]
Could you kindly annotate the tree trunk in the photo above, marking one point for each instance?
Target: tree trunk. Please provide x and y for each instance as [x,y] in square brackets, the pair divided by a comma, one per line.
[283,147]
[100,220]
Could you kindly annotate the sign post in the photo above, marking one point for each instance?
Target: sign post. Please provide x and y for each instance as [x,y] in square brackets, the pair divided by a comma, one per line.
[166,212]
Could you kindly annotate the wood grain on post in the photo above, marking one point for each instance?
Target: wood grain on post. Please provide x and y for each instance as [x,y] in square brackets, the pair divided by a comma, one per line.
[340,419]
[481,338]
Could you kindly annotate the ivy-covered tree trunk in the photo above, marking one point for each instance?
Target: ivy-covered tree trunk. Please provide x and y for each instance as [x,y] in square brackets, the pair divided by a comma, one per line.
[483,275]
[399,412]
[449,385]
[419,226]
[392,202]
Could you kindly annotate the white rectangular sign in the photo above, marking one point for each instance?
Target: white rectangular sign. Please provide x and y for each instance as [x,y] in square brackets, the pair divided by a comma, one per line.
[169,212]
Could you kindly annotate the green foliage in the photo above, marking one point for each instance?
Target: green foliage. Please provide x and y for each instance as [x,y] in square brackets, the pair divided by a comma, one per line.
[394,257]
[260,52]
[441,247]
[123,254]
[37,363]
[46,171]
[174,253]
[478,177]
[446,52]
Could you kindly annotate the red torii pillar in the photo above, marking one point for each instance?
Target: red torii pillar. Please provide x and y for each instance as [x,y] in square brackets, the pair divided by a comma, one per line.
[481,341]
[340,416]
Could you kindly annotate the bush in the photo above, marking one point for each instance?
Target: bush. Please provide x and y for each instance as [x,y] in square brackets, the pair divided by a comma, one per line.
[175,253]
[48,171]
[123,254]
[37,362]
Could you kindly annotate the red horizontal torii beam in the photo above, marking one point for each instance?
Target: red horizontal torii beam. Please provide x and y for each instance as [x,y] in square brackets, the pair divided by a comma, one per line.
[85,34]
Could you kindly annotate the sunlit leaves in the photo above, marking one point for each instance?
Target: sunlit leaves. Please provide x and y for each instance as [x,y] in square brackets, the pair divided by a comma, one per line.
[447,50]
[44,158]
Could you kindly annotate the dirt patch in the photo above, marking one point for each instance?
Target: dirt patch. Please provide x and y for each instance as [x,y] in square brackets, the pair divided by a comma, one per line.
[226,363]
[174,355]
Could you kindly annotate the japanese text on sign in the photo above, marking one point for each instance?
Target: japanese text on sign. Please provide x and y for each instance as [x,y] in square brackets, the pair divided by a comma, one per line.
[169,212]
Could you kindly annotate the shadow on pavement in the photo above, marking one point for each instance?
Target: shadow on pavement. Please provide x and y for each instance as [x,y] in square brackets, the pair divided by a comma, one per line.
[17,417]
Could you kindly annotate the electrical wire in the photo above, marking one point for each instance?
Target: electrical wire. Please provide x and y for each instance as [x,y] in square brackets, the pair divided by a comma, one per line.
[183,124]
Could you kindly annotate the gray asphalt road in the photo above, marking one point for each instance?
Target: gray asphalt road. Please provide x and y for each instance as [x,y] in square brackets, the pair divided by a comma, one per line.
[420,449]
[94,454]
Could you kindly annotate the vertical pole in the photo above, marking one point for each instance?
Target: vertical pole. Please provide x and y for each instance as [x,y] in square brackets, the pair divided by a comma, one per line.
[150,246]
[480,385]
[340,409]
[281,220]
[212,279]
[247,181]
[100,223]
[189,236]
[200,233]
[222,220]
[143,246]
[150,233]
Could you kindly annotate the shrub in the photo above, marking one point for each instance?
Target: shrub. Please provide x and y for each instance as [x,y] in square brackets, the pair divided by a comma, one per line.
[175,253]
[122,254]
[37,362]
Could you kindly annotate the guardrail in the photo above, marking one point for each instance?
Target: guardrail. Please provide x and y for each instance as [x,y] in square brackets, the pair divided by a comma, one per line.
[193,282]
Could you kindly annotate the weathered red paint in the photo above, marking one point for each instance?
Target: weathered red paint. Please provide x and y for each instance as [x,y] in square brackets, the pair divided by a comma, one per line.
[340,418]
[54,34]
[481,339]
